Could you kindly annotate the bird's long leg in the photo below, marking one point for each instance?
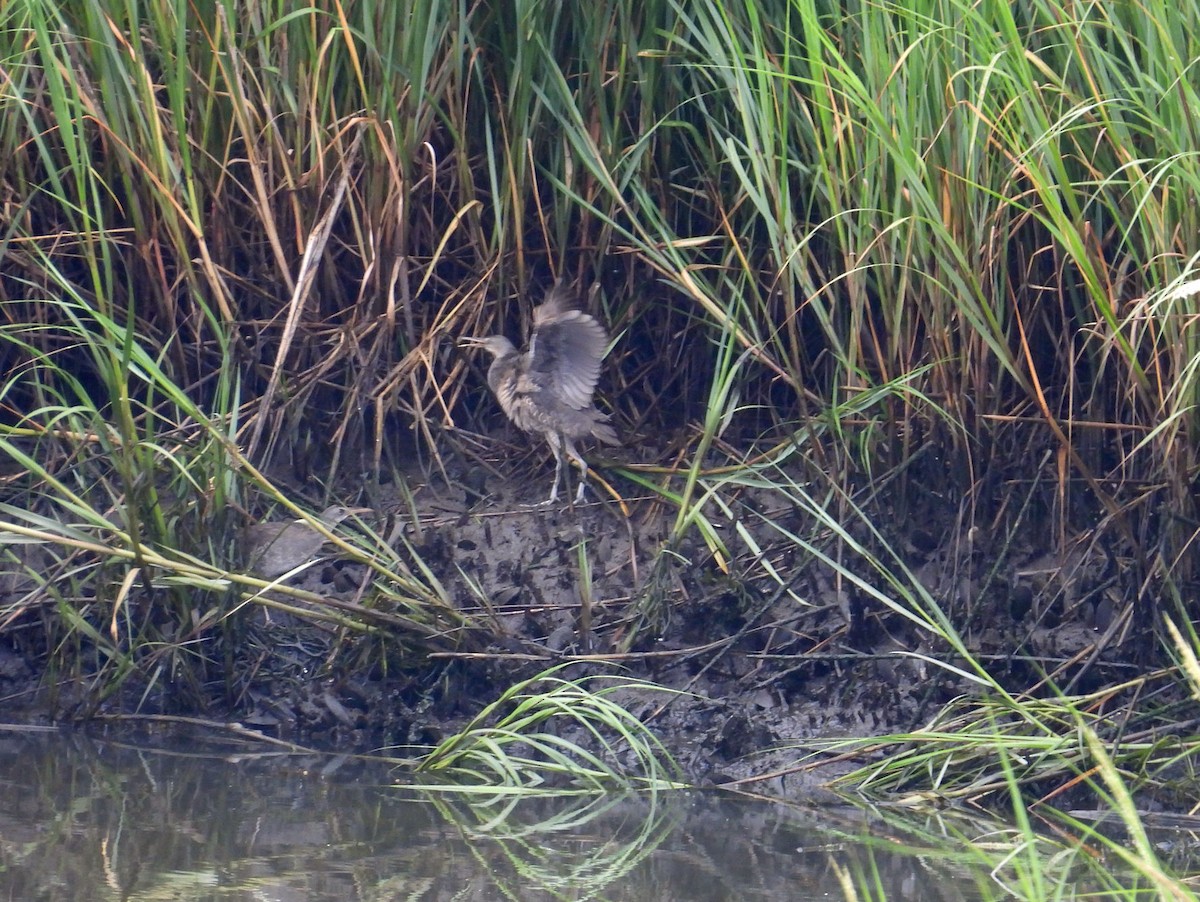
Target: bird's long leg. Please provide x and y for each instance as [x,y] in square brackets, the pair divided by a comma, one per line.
[556,445]
[578,458]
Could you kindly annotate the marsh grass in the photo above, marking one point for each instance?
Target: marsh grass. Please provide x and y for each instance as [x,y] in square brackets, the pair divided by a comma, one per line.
[1043,856]
[523,741]
[851,259]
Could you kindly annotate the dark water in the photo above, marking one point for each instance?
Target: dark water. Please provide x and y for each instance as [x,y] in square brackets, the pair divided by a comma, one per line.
[84,818]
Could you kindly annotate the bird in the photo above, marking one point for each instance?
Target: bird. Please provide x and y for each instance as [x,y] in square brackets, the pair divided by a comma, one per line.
[548,388]
[275,548]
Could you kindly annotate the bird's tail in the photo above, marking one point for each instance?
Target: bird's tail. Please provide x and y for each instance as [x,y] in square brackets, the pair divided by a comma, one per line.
[602,430]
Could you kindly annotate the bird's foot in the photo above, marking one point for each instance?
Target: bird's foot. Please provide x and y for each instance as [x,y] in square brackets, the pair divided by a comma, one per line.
[579,492]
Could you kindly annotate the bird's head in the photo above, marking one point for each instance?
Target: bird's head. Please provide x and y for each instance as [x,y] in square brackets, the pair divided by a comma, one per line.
[496,345]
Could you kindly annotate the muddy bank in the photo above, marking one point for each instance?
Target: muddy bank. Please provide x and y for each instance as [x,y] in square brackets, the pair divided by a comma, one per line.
[767,646]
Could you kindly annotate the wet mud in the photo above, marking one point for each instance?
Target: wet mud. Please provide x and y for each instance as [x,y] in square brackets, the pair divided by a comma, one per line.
[771,653]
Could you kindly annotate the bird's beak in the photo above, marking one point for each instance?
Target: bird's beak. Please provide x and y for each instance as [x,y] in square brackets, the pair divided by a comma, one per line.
[470,341]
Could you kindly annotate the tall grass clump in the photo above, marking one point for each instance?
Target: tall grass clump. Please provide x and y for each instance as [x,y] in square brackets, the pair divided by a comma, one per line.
[986,206]
[168,322]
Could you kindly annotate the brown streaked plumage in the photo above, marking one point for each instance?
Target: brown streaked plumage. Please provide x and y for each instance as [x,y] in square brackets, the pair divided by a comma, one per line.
[548,389]
[275,548]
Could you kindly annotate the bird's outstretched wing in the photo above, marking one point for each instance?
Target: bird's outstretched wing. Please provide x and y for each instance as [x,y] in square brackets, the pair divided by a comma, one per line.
[565,351]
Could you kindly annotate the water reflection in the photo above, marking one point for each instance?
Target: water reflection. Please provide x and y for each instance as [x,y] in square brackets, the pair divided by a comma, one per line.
[84,819]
